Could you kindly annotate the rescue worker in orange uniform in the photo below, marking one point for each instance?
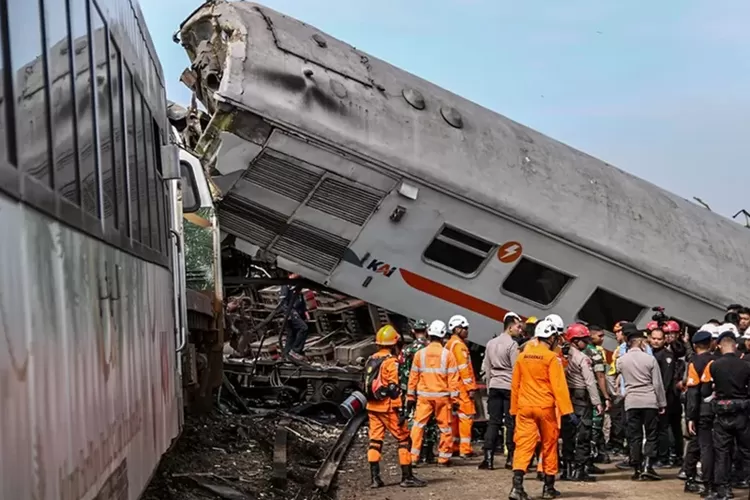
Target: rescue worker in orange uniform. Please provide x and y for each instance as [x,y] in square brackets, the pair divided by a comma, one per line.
[384,408]
[464,417]
[538,393]
[434,387]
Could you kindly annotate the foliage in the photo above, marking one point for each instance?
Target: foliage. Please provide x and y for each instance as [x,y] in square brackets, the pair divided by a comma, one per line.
[199,267]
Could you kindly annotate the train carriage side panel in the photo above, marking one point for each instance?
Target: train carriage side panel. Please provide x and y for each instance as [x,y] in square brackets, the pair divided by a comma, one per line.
[321,88]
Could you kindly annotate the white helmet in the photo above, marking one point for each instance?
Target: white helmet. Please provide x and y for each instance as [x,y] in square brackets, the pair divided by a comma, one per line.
[511,314]
[436,329]
[710,328]
[556,321]
[545,329]
[457,321]
[729,327]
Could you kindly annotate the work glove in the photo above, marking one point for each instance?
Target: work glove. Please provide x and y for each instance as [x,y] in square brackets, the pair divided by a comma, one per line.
[454,407]
[403,415]
[410,405]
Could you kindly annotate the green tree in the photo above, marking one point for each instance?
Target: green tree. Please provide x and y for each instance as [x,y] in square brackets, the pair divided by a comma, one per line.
[199,268]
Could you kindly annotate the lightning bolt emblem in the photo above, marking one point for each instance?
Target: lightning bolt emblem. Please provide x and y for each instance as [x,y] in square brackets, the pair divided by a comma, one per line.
[509,252]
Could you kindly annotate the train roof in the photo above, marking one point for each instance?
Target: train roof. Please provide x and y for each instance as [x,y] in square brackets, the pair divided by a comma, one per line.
[360,102]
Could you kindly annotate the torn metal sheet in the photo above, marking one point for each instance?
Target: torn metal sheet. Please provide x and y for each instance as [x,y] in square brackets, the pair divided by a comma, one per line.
[327,471]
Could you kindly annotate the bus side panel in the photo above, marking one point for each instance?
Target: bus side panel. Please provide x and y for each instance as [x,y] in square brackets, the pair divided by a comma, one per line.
[87,380]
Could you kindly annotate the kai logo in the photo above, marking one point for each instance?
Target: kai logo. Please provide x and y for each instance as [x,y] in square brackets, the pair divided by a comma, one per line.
[381,267]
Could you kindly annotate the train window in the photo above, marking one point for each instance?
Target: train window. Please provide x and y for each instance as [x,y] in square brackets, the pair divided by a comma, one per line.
[63,104]
[142,169]
[26,44]
[84,99]
[100,56]
[188,188]
[536,282]
[131,170]
[118,139]
[457,251]
[7,134]
[606,308]
[148,132]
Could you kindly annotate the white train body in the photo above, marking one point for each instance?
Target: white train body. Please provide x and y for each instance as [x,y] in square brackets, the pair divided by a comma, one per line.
[91,285]
[368,179]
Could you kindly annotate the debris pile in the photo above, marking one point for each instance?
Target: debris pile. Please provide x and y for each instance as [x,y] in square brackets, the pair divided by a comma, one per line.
[240,457]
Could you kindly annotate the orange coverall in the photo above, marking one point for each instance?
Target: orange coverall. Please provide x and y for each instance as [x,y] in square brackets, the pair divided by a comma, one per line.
[538,394]
[435,385]
[384,414]
[461,426]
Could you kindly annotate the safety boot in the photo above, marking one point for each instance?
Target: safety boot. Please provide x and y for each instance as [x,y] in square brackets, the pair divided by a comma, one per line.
[648,472]
[580,475]
[566,471]
[428,452]
[375,475]
[489,461]
[517,492]
[549,491]
[509,461]
[602,458]
[592,469]
[408,480]
[692,486]
[637,471]
[682,475]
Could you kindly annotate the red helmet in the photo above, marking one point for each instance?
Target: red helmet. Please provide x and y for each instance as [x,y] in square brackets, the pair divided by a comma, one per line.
[651,326]
[576,331]
[671,326]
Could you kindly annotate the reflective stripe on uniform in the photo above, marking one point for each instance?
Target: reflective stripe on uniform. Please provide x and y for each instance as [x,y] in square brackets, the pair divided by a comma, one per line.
[435,394]
[464,416]
[419,424]
[445,455]
[466,440]
[463,366]
[454,394]
[468,381]
[415,451]
[445,430]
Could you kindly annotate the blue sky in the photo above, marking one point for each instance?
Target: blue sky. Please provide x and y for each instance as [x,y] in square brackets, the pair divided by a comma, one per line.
[660,89]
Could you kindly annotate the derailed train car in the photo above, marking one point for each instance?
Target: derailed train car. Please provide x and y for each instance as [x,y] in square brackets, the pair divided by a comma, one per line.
[386,187]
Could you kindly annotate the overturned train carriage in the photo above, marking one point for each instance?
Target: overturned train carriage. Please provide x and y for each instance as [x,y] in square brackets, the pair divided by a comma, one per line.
[386,187]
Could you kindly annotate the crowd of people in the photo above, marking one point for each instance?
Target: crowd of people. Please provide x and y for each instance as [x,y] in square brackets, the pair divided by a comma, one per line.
[559,402]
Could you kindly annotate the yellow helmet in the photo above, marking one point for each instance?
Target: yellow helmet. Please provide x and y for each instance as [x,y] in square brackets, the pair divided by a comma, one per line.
[531,320]
[387,335]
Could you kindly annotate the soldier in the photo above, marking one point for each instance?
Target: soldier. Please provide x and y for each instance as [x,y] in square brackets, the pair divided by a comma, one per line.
[404,367]
[584,394]
[595,351]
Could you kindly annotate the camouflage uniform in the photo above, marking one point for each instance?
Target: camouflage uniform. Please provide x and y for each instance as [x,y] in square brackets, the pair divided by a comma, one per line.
[599,365]
[404,367]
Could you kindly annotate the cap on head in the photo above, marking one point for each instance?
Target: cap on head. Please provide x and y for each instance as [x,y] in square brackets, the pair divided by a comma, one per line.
[545,329]
[436,329]
[386,336]
[701,337]
[726,334]
[532,320]
[457,321]
[576,331]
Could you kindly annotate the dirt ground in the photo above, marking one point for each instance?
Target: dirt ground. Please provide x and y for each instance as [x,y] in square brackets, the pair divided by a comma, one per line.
[237,451]
[465,481]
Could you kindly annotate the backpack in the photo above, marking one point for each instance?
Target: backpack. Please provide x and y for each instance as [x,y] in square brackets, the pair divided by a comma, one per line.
[374,387]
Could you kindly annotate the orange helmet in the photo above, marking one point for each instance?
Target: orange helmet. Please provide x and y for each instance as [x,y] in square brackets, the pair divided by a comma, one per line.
[576,331]
[386,336]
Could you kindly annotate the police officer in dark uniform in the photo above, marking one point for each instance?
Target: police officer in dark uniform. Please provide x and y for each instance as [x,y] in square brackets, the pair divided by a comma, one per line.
[730,378]
[699,416]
